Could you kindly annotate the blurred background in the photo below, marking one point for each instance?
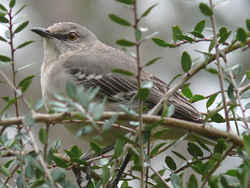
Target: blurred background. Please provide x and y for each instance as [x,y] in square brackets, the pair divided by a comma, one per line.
[94,15]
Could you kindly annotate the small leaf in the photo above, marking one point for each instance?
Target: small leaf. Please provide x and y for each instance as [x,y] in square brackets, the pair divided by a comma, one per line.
[95,147]
[205,9]
[176,32]
[128,2]
[211,100]
[199,27]
[248,24]
[194,150]
[196,34]
[144,91]
[25,83]
[43,135]
[171,110]
[138,34]
[123,72]
[211,45]
[146,12]
[230,92]
[192,182]
[3,39]
[248,75]
[3,19]
[21,27]
[4,58]
[126,43]
[170,163]
[24,44]
[241,35]
[196,98]
[217,118]
[152,61]
[212,70]
[12,3]
[162,43]
[186,91]
[20,9]
[186,61]
[3,8]
[119,147]
[224,34]
[119,20]
[220,146]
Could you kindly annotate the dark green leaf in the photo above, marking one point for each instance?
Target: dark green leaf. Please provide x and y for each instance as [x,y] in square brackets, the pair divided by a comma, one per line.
[171,110]
[220,146]
[192,182]
[60,162]
[119,20]
[241,35]
[179,155]
[143,94]
[185,37]
[170,163]
[211,100]
[126,43]
[217,118]
[37,183]
[71,89]
[3,19]
[25,83]
[3,39]
[196,34]
[21,27]
[186,91]
[205,9]
[43,135]
[152,61]
[224,34]
[128,2]
[199,27]
[4,58]
[212,70]
[186,61]
[74,152]
[3,8]
[230,92]
[24,44]
[176,32]
[123,72]
[196,98]
[162,43]
[246,142]
[194,150]
[10,103]
[248,75]
[96,147]
[248,24]
[156,149]
[146,12]
[12,3]
[105,174]
[232,172]
[211,45]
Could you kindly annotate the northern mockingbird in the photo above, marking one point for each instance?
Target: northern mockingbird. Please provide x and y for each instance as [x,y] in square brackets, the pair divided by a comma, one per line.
[72,52]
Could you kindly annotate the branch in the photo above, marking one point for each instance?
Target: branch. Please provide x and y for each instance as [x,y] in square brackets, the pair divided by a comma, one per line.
[176,124]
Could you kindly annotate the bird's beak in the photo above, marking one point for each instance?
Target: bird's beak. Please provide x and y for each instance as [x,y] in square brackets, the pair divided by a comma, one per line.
[42,32]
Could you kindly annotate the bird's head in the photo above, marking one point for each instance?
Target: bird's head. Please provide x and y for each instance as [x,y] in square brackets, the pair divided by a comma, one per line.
[65,37]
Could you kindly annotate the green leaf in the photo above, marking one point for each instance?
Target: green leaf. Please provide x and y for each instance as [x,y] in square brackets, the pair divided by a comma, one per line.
[152,61]
[248,75]
[105,174]
[43,135]
[119,20]
[71,89]
[248,24]
[24,44]
[212,70]
[176,32]
[162,43]
[10,103]
[123,72]
[3,39]
[186,91]
[211,45]
[126,43]
[246,142]
[3,19]
[192,182]
[194,150]
[74,152]
[230,92]
[217,118]
[146,12]
[12,3]
[241,35]
[211,100]
[223,34]
[25,83]
[21,27]
[60,162]
[205,9]
[179,155]
[144,91]
[196,34]
[171,110]
[138,34]
[170,163]
[20,9]
[3,8]
[199,27]
[4,58]
[128,2]
[156,149]
[196,98]
[220,146]
[124,184]
[95,147]
[186,61]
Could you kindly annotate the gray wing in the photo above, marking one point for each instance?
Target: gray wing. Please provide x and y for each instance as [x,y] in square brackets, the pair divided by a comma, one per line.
[88,70]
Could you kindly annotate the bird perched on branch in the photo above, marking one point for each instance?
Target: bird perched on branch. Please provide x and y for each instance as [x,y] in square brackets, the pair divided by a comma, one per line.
[72,52]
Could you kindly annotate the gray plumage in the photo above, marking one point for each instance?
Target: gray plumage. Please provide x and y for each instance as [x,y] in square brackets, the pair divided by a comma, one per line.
[73,52]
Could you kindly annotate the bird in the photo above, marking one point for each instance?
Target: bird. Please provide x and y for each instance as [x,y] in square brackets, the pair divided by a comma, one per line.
[72,52]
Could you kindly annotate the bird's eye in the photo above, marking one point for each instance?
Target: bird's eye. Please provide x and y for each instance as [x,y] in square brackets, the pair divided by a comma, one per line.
[72,36]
